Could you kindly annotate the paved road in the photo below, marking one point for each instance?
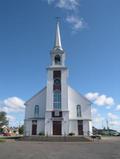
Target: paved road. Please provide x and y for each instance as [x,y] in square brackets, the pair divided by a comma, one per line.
[105,149]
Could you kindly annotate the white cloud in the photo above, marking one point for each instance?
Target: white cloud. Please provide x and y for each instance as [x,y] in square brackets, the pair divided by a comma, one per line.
[104,100]
[118,107]
[115,123]
[76,22]
[12,104]
[93,111]
[92,96]
[11,118]
[65,4]
[112,116]
[72,8]
[98,120]
[100,100]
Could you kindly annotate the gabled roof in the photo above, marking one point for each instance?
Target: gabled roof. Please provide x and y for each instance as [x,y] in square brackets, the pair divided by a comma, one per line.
[82,96]
[37,94]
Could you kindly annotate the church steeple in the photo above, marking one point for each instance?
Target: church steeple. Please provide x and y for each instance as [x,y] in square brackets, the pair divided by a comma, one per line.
[57,43]
[57,53]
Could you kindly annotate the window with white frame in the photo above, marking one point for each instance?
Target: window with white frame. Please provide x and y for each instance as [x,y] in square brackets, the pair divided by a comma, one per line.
[36,111]
[79,114]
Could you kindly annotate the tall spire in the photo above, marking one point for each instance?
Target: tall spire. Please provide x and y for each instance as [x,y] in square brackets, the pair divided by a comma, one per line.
[57,36]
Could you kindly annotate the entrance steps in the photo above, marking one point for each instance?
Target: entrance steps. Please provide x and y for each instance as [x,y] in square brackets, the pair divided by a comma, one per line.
[56,138]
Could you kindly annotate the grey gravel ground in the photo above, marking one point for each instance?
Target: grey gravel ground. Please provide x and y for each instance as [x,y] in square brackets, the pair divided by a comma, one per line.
[105,149]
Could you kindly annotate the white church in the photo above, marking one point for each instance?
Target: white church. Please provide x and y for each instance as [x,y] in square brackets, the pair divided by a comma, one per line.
[57,109]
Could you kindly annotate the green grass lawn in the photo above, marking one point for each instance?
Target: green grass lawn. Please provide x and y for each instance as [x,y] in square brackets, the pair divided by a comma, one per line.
[9,137]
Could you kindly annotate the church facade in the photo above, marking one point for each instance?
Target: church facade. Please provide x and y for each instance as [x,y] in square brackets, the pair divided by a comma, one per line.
[57,109]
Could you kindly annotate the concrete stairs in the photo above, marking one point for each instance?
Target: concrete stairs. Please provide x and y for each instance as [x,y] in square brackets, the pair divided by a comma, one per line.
[56,138]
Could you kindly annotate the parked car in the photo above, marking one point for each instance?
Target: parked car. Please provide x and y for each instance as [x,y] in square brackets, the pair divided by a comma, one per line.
[6,134]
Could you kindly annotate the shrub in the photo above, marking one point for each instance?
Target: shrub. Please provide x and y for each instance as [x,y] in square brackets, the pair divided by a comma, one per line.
[21,129]
[41,133]
[71,134]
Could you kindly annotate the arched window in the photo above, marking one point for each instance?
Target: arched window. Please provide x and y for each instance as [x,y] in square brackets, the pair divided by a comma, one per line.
[57,60]
[79,114]
[36,111]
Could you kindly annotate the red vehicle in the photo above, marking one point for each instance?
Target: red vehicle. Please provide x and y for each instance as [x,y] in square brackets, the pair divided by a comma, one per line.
[6,134]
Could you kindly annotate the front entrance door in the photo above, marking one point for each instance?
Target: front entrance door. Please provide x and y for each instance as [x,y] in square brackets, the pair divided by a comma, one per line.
[34,127]
[57,127]
[80,127]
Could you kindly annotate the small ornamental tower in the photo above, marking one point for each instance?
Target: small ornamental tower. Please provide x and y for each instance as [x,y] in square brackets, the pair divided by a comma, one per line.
[57,53]
[57,114]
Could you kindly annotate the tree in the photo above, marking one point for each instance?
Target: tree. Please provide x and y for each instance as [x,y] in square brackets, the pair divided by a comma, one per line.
[21,129]
[3,119]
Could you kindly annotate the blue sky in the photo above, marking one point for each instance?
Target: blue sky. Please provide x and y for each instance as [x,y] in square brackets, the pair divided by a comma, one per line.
[90,36]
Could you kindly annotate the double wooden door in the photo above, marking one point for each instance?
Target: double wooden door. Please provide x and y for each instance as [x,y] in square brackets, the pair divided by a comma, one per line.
[57,127]
[34,127]
[80,127]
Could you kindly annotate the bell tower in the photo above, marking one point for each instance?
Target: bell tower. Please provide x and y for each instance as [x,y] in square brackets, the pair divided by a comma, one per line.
[57,113]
